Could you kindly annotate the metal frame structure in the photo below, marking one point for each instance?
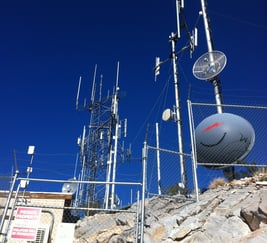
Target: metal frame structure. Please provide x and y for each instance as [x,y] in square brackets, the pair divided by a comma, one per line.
[99,146]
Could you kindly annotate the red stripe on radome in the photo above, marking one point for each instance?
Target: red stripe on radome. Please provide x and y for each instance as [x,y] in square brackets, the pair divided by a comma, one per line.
[214,125]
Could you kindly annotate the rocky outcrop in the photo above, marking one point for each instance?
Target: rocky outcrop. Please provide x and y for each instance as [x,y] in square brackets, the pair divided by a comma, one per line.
[117,227]
[236,212]
[255,213]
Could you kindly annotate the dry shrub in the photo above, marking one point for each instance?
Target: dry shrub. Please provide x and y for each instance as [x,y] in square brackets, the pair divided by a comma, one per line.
[217,183]
[262,177]
[261,174]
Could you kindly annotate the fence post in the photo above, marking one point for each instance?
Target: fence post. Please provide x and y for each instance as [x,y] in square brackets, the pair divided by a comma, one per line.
[193,147]
[144,160]
[8,201]
[137,218]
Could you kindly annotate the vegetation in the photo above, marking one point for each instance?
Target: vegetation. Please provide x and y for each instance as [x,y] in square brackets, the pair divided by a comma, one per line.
[261,174]
[234,173]
[230,173]
[263,178]
[217,183]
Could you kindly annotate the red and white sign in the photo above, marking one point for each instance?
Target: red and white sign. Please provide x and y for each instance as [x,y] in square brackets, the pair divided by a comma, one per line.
[26,223]
[28,215]
[23,233]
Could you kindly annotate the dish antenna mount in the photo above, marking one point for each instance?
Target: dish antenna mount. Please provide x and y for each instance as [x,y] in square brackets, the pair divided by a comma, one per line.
[223,138]
[209,65]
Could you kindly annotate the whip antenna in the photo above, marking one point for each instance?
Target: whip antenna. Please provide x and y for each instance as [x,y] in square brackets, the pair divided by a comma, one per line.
[78,93]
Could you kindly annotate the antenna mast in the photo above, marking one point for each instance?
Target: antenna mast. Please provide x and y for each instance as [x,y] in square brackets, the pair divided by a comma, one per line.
[113,150]
[177,115]
[78,93]
[173,39]
[117,126]
[178,118]
[158,158]
[215,81]
[93,87]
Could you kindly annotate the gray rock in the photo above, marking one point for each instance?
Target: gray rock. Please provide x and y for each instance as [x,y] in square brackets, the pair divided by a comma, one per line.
[235,213]
[255,212]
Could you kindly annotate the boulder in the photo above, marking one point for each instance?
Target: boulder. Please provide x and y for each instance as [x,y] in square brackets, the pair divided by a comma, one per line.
[233,213]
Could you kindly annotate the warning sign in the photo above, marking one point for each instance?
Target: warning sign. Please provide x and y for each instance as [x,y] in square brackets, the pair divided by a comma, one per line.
[23,233]
[28,216]
[26,223]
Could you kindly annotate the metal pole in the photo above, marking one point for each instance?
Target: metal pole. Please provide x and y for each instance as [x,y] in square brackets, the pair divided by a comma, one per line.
[206,26]
[178,111]
[114,165]
[108,179]
[8,200]
[137,217]
[116,137]
[12,212]
[193,147]
[144,159]
[216,81]
[84,182]
[158,158]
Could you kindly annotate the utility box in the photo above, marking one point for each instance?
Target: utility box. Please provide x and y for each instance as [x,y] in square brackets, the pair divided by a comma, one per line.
[65,233]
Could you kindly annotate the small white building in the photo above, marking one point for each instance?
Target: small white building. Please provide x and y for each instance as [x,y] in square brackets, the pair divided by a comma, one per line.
[54,222]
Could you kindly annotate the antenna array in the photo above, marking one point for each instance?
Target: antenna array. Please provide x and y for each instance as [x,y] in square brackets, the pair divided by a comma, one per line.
[99,146]
[176,116]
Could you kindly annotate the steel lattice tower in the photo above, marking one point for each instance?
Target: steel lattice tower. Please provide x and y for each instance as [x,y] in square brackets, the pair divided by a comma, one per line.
[98,147]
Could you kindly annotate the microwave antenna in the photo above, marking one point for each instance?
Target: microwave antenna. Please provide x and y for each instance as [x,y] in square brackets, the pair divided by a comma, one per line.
[209,65]
[222,138]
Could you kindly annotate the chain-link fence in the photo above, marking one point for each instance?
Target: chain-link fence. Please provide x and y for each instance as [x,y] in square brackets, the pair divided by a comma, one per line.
[60,212]
[164,174]
[164,168]
[59,216]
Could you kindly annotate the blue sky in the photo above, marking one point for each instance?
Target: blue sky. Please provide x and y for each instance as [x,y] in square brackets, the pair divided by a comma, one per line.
[46,45]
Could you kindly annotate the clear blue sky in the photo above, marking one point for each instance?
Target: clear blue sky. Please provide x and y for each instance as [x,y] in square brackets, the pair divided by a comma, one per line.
[46,45]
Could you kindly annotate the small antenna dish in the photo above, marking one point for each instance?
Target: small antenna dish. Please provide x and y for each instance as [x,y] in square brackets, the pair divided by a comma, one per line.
[209,65]
[167,115]
[70,187]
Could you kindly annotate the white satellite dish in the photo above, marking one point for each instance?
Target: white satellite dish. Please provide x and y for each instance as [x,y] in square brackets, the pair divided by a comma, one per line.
[209,65]
[70,187]
[167,115]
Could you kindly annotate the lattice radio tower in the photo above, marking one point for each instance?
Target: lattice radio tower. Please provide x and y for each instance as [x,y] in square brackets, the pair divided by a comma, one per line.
[98,146]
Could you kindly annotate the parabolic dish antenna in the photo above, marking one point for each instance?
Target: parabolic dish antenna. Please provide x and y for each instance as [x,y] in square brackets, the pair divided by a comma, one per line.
[209,65]
[223,138]
[167,115]
[70,187]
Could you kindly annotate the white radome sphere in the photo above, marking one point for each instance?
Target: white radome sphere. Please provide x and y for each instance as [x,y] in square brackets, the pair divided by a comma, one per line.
[223,138]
